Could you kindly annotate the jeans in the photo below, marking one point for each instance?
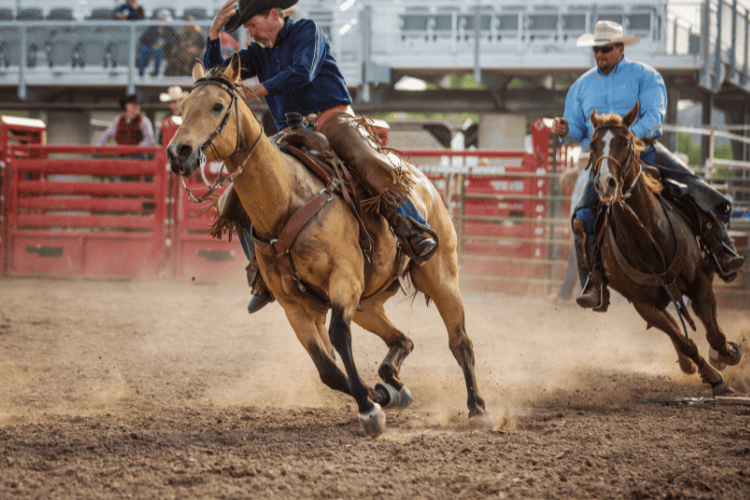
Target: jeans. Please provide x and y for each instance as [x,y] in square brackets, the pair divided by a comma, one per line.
[145,54]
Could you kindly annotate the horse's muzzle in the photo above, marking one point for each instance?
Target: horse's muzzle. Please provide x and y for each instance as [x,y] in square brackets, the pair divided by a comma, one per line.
[182,158]
[606,188]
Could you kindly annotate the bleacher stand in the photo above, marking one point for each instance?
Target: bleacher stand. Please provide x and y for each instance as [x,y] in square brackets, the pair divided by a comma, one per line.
[100,14]
[197,13]
[60,14]
[6,14]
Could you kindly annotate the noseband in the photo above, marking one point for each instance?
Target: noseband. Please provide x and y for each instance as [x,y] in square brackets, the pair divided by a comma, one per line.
[629,160]
[220,82]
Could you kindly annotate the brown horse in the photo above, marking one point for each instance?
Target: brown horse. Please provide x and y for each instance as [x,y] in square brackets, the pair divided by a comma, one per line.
[649,251]
[324,269]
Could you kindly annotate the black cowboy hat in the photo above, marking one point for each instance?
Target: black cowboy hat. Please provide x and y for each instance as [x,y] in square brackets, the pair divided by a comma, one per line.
[130,98]
[249,8]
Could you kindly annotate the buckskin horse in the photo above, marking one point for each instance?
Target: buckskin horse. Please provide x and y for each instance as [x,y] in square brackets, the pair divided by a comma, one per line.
[648,248]
[324,267]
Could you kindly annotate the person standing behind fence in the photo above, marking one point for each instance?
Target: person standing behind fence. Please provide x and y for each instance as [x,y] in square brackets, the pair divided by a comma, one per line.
[579,175]
[131,128]
[156,42]
[190,47]
[169,125]
[130,11]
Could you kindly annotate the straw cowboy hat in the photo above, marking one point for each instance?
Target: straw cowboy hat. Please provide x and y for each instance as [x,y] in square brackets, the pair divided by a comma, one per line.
[247,9]
[174,93]
[607,33]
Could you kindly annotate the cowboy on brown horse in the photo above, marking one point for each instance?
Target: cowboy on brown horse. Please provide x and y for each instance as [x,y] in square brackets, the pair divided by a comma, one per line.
[615,86]
[297,74]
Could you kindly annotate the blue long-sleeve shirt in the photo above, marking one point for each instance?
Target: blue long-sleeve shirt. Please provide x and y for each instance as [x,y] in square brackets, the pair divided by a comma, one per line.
[299,72]
[629,82]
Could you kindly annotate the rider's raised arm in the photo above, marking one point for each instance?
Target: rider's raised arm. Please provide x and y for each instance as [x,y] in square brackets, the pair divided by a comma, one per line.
[574,113]
[653,104]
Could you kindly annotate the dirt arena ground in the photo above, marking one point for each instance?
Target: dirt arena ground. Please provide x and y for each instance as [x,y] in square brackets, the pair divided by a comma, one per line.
[156,389]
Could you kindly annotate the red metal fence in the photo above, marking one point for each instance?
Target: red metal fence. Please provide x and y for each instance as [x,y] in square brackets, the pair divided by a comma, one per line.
[86,210]
[94,211]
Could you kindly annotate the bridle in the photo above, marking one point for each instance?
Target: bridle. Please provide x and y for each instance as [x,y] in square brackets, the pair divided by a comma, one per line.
[224,84]
[628,161]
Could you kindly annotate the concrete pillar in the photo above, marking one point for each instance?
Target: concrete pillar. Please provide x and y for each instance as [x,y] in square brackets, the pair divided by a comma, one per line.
[69,127]
[707,105]
[670,138]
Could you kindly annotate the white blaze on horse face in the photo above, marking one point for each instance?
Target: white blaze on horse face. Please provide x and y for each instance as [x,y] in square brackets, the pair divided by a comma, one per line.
[604,173]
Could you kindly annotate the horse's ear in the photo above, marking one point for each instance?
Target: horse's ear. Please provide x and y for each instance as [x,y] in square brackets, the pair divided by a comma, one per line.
[594,117]
[629,119]
[198,70]
[232,73]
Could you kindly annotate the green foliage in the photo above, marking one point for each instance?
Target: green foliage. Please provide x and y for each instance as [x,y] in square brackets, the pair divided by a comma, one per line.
[465,82]
[685,146]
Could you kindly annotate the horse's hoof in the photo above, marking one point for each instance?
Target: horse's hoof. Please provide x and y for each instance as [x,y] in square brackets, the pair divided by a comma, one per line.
[404,397]
[391,395]
[481,421]
[373,421]
[732,360]
[722,389]
[713,358]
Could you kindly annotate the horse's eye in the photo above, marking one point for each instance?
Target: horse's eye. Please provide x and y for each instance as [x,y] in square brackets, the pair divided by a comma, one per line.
[218,107]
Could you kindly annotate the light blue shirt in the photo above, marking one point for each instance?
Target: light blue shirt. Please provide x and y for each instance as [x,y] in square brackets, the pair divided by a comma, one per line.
[629,82]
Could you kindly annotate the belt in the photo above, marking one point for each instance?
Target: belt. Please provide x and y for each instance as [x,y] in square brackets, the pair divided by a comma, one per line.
[324,115]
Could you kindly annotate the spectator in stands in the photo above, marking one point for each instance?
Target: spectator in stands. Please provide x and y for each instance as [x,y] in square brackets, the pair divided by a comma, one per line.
[298,74]
[155,42]
[190,47]
[169,125]
[615,85]
[130,10]
[131,128]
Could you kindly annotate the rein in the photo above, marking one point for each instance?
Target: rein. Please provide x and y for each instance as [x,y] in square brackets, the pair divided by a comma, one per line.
[209,142]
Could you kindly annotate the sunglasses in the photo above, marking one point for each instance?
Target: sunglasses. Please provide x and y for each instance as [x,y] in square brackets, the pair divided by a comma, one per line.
[603,50]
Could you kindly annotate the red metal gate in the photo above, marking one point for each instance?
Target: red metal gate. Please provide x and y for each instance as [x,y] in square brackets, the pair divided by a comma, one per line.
[13,131]
[86,210]
[197,254]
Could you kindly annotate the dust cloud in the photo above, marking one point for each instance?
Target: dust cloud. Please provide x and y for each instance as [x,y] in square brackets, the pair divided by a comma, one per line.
[85,347]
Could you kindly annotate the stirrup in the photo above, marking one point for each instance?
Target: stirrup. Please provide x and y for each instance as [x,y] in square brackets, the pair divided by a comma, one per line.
[603,296]
[421,259]
[259,301]
[723,274]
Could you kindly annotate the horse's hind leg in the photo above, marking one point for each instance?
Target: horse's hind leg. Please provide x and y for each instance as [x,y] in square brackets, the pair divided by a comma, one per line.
[664,321]
[373,319]
[442,287]
[704,306]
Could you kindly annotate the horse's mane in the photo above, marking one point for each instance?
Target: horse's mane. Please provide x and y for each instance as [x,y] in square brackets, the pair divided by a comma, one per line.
[615,120]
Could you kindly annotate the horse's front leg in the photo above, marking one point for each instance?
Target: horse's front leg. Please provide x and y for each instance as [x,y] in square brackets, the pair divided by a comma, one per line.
[664,321]
[373,319]
[309,328]
[370,414]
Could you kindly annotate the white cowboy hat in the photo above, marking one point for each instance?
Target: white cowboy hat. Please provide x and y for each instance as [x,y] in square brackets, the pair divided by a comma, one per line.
[174,93]
[607,33]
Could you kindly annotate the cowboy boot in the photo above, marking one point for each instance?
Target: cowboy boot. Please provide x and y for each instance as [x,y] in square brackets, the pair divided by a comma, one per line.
[416,239]
[594,293]
[721,246]
[261,295]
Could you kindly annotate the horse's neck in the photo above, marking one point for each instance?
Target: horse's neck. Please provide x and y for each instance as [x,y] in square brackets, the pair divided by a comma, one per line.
[640,223]
[264,187]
